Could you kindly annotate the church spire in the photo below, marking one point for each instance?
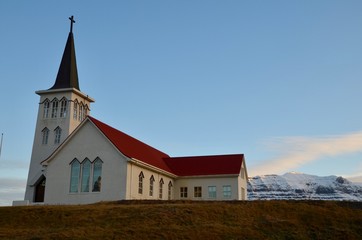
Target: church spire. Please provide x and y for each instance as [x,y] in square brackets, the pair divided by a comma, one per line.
[67,74]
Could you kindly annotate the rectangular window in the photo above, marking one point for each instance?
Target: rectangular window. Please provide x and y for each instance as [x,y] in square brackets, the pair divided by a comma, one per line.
[197,192]
[226,190]
[212,191]
[183,192]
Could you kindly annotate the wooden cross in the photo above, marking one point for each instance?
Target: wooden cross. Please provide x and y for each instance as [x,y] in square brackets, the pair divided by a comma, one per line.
[71,23]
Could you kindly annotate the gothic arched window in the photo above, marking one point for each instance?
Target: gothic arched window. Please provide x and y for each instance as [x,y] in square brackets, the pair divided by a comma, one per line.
[58,134]
[86,171]
[140,183]
[97,175]
[160,192]
[63,107]
[75,110]
[152,180]
[74,175]
[45,133]
[46,106]
[169,190]
[55,104]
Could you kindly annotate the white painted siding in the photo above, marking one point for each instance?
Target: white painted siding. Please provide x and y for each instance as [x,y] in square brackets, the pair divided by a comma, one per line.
[87,143]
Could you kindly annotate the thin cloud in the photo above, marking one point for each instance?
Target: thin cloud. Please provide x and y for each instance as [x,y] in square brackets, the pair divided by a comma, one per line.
[297,151]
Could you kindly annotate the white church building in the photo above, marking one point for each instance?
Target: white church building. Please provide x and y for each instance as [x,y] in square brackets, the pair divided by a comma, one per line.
[78,159]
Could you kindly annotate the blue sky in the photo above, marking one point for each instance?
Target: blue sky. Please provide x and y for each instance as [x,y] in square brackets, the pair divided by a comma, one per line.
[279,81]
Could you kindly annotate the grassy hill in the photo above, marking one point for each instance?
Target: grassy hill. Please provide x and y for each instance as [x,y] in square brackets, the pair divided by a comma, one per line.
[185,220]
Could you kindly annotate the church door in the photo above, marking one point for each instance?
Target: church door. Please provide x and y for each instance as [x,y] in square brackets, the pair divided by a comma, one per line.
[39,191]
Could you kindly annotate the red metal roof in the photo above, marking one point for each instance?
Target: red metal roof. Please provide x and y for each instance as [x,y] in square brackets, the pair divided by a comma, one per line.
[180,166]
[205,165]
[132,147]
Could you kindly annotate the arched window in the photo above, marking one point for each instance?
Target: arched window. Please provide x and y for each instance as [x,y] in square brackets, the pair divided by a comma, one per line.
[45,133]
[63,107]
[74,176]
[169,190]
[152,180]
[55,108]
[46,106]
[58,134]
[160,192]
[97,175]
[86,170]
[75,110]
[140,183]
[81,111]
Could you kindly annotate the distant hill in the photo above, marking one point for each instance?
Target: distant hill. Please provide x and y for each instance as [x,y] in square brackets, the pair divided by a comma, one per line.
[300,186]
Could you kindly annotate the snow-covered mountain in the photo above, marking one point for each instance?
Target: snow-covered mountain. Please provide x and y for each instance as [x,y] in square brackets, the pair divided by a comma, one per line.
[300,186]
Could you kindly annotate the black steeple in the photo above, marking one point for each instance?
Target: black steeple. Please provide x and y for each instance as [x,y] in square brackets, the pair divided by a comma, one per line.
[67,74]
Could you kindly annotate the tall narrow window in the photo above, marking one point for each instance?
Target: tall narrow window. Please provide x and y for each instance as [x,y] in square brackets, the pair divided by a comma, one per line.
[54,108]
[58,134]
[63,107]
[160,187]
[86,168]
[140,183]
[45,137]
[81,111]
[75,110]
[226,189]
[152,180]
[169,192]
[183,192]
[97,175]
[46,106]
[85,110]
[197,192]
[212,191]
[74,176]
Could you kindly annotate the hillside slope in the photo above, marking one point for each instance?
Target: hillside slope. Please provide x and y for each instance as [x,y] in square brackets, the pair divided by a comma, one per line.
[302,186]
[185,220]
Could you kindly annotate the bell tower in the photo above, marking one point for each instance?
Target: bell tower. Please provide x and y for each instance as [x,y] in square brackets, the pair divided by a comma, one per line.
[61,109]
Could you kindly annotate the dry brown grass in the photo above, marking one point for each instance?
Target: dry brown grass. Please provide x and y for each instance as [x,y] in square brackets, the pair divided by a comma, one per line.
[185,220]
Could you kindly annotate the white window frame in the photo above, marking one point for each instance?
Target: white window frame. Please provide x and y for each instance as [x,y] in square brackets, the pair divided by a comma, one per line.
[55,105]
[45,136]
[57,134]
[197,192]
[183,192]
[46,106]
[63,108]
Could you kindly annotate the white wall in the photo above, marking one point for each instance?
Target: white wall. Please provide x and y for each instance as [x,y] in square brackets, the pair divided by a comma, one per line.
[87,143]
[205,182]
[133,180]
[40,152]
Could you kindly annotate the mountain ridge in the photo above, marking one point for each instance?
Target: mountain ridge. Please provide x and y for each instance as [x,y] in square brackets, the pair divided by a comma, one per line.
[301,186]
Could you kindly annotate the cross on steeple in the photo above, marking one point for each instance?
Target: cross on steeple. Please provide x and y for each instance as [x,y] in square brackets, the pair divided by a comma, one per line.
[71,23]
